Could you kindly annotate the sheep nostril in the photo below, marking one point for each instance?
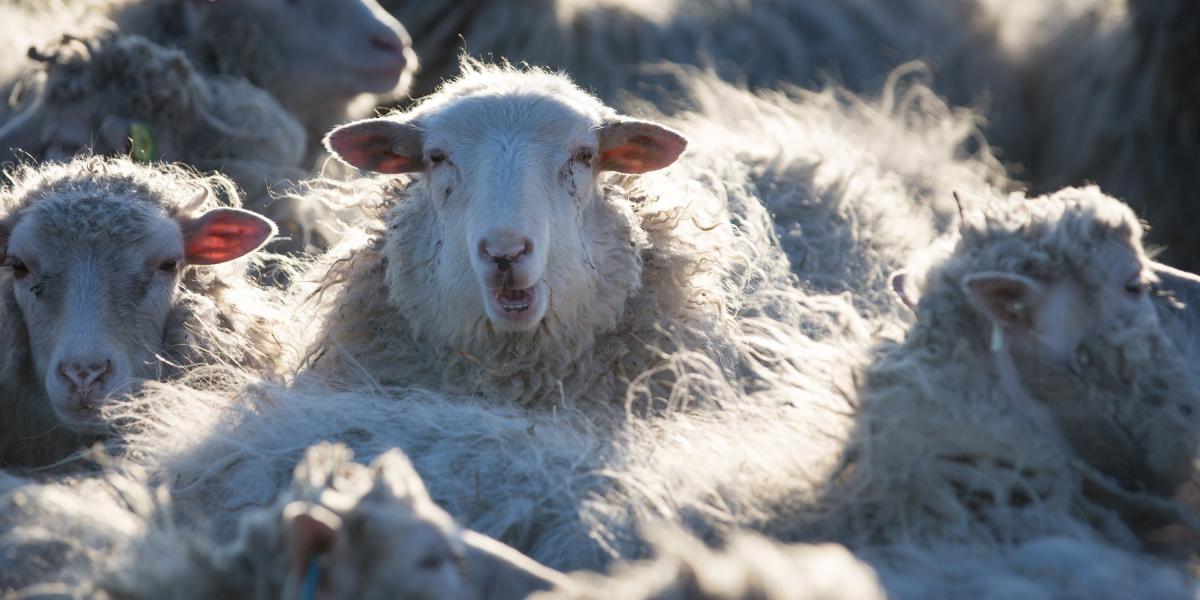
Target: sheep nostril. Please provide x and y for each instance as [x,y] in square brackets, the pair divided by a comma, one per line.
[388,42]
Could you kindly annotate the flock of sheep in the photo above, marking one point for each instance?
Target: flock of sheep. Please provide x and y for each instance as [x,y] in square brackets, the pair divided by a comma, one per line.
[678,299]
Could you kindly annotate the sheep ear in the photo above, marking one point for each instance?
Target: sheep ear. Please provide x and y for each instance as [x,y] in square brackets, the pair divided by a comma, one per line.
[224,234]
[380,145]
[1008,299]
[634,146]
[310,530]
[899,284]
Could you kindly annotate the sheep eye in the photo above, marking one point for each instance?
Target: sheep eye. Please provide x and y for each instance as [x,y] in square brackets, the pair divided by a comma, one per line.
[1136,287]
[20,271]
[169,266]
[437,157]
[583,156]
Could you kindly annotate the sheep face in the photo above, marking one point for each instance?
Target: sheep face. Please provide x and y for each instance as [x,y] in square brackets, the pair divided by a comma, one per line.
[361,48]
[510,179]
[95,278]
[1086,343]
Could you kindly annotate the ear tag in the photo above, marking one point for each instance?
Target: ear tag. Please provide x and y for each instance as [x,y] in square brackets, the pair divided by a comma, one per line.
[142,146]
[312,578]
[997,338]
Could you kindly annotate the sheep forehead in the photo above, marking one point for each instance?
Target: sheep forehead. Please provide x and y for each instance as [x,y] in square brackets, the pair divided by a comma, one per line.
[1080,230]
[536,121]
[54,225]
[489,92]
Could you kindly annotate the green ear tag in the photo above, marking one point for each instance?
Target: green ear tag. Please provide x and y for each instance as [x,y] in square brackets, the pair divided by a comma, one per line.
[142,147]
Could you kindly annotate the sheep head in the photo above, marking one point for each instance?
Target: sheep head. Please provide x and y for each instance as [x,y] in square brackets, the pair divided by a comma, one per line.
[369,532]
[96,255]
[1060,287]
[313,50]
[509,167]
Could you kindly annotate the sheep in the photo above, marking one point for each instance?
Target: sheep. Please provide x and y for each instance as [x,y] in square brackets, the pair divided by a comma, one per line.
[367,532]
[570,485]
[100,93]
[522,260]
[1037,392]
[106,282]
[612,46]
[1110,91]
[365,54]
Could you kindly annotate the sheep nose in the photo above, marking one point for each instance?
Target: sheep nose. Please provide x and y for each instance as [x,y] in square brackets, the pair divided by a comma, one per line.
[388,41]
[506,255]
[81,375]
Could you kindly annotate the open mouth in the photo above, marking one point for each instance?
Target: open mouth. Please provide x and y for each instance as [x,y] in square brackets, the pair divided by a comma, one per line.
[516,309]
[514,301]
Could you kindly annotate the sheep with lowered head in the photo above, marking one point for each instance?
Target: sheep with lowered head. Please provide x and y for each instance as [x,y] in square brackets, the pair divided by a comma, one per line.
[107,281]
[325,61]
[522,260]
[341,530]
[1037,389]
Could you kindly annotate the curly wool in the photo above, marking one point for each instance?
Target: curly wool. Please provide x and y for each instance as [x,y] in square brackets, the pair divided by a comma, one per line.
[220,315]
[210,123]
[975,464]
[854,185]
[678,257]
[226,41]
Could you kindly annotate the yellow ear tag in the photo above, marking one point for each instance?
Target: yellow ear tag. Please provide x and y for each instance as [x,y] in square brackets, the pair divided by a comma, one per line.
[142,147]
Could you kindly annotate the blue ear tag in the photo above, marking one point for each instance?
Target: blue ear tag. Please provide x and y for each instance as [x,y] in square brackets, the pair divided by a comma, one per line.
[312,577]
[142,146]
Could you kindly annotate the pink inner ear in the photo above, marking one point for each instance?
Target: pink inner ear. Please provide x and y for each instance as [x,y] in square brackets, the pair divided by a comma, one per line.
[225,234]
[636,147]
[370,146]
[309,536]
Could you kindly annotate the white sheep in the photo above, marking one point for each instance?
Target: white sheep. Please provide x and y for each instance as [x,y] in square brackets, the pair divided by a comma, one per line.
[523,261]
[1036,391]
[571,487]
[340,530]
[106,281]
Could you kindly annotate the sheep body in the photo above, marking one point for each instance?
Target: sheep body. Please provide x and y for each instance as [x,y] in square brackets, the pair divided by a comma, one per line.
[577,482]
[1006,467]
[759,43]
[670,258]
